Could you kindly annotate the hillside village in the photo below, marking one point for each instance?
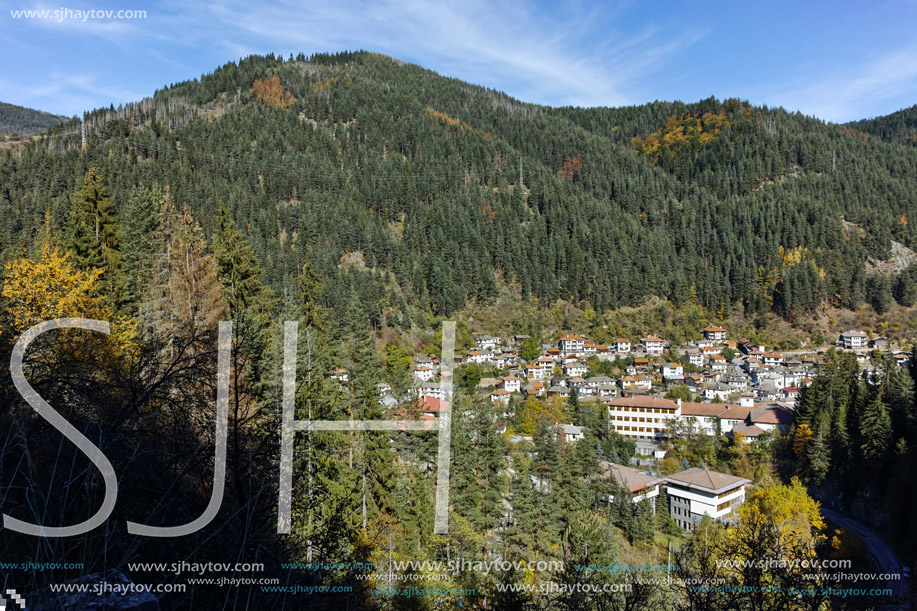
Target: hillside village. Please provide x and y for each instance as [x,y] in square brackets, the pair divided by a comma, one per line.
[738,389]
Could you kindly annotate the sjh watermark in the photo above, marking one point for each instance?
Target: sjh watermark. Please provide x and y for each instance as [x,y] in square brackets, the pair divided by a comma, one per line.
[289,426]
[65,13]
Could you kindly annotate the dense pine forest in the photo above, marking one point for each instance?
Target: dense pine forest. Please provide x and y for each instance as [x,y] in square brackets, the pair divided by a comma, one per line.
[367,198]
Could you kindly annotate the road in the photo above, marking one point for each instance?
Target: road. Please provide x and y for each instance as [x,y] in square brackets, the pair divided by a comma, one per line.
[886,560]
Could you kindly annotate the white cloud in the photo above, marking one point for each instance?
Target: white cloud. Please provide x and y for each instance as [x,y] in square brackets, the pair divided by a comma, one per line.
[852,92]
[504,45]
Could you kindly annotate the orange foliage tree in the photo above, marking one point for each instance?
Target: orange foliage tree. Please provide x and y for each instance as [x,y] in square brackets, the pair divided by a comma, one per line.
[272,93]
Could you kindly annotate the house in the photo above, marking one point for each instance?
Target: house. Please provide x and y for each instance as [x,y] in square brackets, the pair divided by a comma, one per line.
[558,391]
[518,339]
[771,358]
[710,351]
[714,333]
[640,485]
[879,342]
[653,345]
[622,346]
[510,384]
[475,356]
[790,394]
[746,432]
[589,348]
[854,340]
[718,363]
[717,392]
[607,391]
[641,416]
[537,372]
[424,373]
[673,372]
[568,433]
[431,390]
[572,344]
[340,375]
[696,493]
[534,389]
[695,358]
[641,383]
[499,396]
[641,364]
[486,342]
[575,370]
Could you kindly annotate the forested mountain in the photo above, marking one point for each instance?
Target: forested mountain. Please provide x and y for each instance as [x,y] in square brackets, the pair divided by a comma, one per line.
[716,201]
[899,127]
[361,197]
[21,121]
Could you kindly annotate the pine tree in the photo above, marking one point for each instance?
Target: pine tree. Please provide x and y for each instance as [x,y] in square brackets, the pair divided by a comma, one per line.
[94,231]
[875,431]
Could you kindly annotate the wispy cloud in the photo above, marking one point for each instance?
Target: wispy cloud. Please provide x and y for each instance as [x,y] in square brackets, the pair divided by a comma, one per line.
[506,45]
[850,93]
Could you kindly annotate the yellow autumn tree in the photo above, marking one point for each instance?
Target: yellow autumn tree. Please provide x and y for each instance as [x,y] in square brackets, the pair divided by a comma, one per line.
[36,291]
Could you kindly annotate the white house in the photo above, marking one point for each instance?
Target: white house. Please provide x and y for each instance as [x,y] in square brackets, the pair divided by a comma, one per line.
[622,346]
[510,384]
[572,344]
[854,340]
[424,373]
[571,433]
[475,356]
[673,372]
[499,396]
[695,358]
[714,333]
[486,342]
[537,372]
[654,345]
[575,370]
[696,492]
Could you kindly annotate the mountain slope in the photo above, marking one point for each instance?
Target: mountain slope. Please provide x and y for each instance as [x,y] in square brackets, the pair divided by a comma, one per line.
[899,127]
[717,202]
[21,121]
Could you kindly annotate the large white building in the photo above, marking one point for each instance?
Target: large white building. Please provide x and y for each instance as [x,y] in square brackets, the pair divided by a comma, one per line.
[642,417]
[696,493]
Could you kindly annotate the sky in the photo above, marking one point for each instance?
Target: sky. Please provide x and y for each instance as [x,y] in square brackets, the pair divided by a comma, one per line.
[836,60]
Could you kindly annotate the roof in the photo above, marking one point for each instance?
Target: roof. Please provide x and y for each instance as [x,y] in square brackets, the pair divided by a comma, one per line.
[736,412]
[652,338]
[704,479]
[643,401]
[771,413]
[572,337]
[628,477]
[750,431]
[714,329]
[701,409]
[853,333]
[571,429]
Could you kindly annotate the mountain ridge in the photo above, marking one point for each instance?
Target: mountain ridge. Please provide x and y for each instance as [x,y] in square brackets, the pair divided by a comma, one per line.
[687,202]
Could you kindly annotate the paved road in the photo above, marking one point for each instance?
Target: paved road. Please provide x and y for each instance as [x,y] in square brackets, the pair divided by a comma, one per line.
[886,560]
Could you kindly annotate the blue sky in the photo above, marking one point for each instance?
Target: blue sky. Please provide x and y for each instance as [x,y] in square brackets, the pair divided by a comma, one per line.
[837,60]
